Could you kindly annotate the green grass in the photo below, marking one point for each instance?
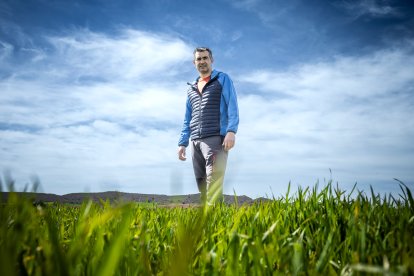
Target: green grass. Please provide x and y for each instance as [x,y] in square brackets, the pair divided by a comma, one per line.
[310,232]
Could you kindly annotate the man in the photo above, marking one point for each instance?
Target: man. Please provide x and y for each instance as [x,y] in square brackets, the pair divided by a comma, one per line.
[211,121]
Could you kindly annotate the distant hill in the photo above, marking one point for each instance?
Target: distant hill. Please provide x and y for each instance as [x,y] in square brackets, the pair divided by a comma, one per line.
[113,196]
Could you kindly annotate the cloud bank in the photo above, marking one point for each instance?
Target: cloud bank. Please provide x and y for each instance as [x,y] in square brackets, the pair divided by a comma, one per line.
[88,111]
[93,112]
[350,115]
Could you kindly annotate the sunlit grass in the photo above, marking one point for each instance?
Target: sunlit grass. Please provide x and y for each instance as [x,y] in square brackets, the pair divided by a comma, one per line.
[309,232]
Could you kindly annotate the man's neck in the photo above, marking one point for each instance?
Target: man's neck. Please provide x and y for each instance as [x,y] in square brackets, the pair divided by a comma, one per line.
[203,76]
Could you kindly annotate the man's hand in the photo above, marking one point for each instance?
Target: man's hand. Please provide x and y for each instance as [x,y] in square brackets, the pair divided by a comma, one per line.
[181,153]
[229,141]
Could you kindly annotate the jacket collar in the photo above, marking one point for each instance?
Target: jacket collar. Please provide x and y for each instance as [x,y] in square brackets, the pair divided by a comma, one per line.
[213,75]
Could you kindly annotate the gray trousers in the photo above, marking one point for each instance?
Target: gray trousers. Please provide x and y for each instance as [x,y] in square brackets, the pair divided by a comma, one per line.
[209,163]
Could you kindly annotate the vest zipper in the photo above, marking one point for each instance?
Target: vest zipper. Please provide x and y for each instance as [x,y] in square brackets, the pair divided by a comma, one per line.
[200,93]
[199,110]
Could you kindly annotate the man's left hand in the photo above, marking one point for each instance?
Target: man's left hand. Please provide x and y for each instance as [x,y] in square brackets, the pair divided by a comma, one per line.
[229,141]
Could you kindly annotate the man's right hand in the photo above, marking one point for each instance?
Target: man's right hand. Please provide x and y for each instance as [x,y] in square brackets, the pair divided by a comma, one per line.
[181,153]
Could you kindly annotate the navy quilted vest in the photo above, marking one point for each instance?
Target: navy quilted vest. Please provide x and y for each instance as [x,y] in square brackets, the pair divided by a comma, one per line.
[205,119]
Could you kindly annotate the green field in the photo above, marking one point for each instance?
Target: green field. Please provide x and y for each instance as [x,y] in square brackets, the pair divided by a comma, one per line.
[306,232]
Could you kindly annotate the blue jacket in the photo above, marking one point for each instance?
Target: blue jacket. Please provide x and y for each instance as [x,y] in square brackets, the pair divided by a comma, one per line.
[213,112]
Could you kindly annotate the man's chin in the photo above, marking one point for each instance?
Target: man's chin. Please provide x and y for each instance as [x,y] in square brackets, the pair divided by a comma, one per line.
[203,70]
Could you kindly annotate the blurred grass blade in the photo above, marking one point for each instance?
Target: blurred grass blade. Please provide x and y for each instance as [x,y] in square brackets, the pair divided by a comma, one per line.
[113,254]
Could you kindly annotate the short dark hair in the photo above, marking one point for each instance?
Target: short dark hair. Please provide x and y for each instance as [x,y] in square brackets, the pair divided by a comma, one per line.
[203,49]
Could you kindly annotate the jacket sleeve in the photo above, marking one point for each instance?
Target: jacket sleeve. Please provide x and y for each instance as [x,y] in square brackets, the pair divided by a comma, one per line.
[185,132]
[230,97]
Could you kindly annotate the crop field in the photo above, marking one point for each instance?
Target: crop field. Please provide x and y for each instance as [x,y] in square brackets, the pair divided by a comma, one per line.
[310,231]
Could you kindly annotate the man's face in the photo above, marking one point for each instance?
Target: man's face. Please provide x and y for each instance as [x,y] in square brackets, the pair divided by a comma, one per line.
[202,62]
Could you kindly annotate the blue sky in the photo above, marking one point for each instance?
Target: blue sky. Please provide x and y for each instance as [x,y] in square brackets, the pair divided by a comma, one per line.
[92,93]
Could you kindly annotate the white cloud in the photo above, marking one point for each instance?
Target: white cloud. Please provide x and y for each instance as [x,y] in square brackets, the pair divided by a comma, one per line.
[131,55]
[246,4]
[352,76]
[236,36]
[373,8]
[5,51]
[267,11]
